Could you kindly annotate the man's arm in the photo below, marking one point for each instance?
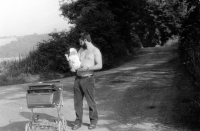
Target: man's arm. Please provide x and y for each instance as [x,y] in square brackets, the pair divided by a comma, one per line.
[97,59]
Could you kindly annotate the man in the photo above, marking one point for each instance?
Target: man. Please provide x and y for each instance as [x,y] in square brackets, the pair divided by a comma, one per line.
[91,60]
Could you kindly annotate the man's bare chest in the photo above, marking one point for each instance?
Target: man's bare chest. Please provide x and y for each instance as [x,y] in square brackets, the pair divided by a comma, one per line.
[86,55]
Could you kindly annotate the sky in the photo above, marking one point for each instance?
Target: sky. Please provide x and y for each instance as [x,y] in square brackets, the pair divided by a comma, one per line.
[26,17]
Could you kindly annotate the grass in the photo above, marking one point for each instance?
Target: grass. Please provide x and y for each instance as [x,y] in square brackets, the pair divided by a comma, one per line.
[7,79]
[186,111]
[12,73]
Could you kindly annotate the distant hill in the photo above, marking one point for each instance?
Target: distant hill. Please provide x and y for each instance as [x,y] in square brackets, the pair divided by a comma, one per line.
[7,40]
[22,45]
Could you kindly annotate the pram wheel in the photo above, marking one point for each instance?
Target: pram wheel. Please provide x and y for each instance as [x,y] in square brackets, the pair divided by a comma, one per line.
[28,127]
[62,125]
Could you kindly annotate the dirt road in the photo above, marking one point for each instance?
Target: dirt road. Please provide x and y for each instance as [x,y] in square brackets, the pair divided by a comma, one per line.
[137,96]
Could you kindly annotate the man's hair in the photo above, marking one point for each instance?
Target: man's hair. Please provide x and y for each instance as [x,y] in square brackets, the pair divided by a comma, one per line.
[86,36]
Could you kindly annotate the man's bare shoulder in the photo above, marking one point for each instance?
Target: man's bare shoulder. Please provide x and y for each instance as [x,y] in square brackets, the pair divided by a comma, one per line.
[96,50]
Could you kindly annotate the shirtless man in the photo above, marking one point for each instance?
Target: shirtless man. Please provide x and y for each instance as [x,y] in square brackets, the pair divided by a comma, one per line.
[84,85]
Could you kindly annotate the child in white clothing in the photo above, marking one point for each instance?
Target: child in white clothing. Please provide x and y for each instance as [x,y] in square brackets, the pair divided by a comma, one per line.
[73,59]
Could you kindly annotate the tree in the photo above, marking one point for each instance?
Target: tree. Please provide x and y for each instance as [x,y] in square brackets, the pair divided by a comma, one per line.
[190,42]
[110,23]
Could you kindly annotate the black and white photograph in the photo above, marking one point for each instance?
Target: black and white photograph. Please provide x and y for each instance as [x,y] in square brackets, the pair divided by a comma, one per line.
[100,65]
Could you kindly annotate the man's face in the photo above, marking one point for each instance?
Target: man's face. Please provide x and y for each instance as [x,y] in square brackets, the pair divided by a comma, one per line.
[82,43]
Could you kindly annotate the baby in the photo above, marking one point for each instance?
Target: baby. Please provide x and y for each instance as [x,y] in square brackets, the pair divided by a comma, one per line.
[73,59]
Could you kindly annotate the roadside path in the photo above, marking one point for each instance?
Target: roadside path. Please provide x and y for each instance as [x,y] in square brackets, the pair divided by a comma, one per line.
[137,96]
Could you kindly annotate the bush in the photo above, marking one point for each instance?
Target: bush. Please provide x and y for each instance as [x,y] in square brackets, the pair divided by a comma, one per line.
[7,79]
[189,45]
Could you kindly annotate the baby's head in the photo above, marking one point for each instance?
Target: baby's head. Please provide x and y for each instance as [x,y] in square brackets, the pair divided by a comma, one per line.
[73,51]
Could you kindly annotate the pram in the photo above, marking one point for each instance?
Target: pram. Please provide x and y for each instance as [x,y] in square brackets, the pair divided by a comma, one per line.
[47,94]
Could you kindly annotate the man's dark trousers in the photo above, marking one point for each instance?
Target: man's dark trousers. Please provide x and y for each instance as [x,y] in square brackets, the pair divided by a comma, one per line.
[85,86]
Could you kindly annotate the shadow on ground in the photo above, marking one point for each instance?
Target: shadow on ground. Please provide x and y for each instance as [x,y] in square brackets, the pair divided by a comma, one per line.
[147,93]
[14,126]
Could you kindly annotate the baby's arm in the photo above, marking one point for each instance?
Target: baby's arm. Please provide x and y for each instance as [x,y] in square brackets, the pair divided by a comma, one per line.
[67,57]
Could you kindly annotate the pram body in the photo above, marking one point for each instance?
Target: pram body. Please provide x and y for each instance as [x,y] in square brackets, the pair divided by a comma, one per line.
[47,94]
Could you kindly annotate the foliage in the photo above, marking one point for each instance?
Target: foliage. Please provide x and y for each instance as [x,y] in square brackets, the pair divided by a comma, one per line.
[190,41]
[11,73]
[168,17]
[112,24]
[50,55]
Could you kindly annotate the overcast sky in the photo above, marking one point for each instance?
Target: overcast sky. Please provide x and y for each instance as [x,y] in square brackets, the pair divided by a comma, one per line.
[25,17]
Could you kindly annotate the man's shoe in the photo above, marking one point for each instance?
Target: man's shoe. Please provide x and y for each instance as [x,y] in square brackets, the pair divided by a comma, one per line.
[75,127]
[92,126]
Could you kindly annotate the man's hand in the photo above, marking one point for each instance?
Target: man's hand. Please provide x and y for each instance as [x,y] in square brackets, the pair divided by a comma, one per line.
[83,68]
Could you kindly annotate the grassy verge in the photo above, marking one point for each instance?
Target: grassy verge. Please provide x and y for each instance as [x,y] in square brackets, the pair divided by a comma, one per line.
[186,111]
[12,73]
